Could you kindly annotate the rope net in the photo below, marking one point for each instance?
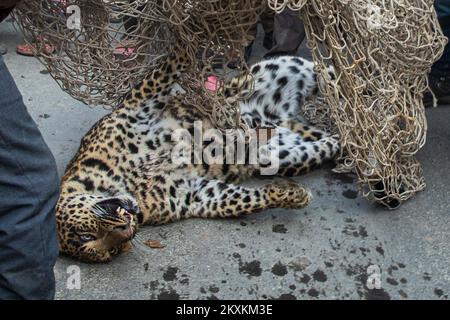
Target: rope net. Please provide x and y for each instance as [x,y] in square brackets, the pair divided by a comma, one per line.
[381,51]
[117,43]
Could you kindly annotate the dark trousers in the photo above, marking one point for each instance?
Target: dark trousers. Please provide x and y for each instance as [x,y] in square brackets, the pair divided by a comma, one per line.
[442,67]
[284,33]
[288,33]
[28,194]
[442,8]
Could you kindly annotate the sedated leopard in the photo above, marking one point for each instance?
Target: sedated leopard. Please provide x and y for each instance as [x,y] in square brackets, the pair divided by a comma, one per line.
[123,175]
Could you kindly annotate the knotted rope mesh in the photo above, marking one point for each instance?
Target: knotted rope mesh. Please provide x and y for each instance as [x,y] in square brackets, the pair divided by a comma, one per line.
[98,63]
[381,50]
[215,33]
[279,5]
[117,43]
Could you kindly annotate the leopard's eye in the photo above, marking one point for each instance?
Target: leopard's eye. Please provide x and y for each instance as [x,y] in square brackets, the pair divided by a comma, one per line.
[87,237]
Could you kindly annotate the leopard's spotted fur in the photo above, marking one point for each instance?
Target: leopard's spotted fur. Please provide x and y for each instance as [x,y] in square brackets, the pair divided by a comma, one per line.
[122,175]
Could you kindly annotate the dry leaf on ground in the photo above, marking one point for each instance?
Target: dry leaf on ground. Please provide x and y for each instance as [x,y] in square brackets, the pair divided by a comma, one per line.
[154,244]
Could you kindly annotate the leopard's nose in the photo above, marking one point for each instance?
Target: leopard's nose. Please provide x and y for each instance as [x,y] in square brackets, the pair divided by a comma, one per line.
[122,232]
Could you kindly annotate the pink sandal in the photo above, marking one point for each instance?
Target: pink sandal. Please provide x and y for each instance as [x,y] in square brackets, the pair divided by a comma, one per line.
[126,49]
[124,52]
[31,50]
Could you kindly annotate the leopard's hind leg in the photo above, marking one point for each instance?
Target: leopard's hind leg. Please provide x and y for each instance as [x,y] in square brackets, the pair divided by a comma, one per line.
[295,154]
[196,197]
[306,131]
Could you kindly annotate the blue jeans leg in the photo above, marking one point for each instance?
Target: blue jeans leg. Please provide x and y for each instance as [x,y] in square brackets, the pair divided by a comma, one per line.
[29,187]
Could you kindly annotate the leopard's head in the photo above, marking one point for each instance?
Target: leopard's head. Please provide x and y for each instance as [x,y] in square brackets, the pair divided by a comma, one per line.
[94,228]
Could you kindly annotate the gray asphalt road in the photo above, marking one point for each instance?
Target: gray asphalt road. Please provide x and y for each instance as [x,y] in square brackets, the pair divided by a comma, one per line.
[326,251]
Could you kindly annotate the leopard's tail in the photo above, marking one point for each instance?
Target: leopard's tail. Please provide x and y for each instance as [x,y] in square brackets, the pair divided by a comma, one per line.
[158,84]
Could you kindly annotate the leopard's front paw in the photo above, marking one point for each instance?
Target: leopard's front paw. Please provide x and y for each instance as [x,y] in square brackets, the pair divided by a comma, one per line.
[289,195]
